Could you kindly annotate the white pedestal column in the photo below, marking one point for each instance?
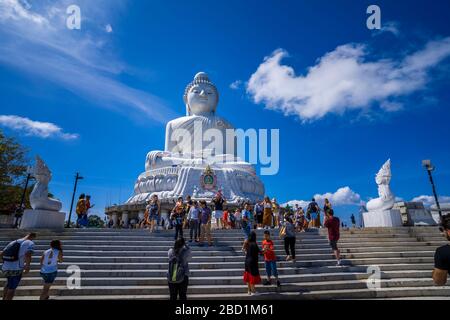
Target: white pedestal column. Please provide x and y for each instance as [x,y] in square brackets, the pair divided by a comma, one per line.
[42,219]
[125,219]
[383,218]
[115,219]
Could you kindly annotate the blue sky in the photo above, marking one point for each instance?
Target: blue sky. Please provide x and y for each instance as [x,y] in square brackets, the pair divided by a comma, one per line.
[345,98]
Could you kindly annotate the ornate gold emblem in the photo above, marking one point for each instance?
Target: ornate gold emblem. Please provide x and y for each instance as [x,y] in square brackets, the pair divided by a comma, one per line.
[208,179]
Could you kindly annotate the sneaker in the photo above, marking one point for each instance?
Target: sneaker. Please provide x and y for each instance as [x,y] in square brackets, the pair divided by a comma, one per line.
[249,293]
[267,283]
[338,263]
[278,283]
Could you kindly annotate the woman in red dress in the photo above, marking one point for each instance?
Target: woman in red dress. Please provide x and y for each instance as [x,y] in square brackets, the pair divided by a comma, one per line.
[251,274]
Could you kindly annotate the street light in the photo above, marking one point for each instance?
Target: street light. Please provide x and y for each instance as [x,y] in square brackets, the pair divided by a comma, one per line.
[77,177]
[429,167]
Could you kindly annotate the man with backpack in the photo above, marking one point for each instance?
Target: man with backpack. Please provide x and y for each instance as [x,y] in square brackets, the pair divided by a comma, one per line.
[314,212]
[178,273]
[16,258]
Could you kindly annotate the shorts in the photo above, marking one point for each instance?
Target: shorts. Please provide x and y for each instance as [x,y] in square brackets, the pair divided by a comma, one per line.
[13,281]
[49,278]
[271,268]
[218,214]
[333,244]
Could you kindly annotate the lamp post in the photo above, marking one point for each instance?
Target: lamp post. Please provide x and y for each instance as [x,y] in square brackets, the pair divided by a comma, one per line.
[429,167]
[77,177]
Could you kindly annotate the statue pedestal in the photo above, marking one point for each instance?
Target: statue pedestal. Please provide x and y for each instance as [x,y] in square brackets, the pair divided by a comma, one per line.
[382,218]
[42,219]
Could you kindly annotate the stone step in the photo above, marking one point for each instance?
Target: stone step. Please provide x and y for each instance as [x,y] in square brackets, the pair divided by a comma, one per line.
[227,280]
[225,251]
[431,293]
[90,265]
[156,245]
[238,257]
[223,289]
[286,269]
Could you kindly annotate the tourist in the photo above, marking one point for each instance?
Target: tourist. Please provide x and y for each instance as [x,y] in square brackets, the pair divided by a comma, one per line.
[332,224]
[353,220]
[442,255]
[270,259]
[246,224]
[80,209]
[49,266]
[299,219]
[225,220]
[288,233]
[238,218]
[276,213]
[259,211]
[326,207]
[177,218]
[16,257]
[186,208]
[218,203]
[178,273]
[267,215]
[193,217]
[251,274]
[314,212]
[146,220]
[232,219]
[154,212]
[205,222]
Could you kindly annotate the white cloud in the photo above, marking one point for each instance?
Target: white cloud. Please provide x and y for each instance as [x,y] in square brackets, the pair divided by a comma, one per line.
[342,196]
[236,84]
[37,42]
[35,128]
[342,80]
[429,200]
[390,27]
[108,28]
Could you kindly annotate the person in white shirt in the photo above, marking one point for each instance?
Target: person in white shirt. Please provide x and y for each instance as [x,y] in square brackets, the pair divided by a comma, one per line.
[16,257]
[49,266]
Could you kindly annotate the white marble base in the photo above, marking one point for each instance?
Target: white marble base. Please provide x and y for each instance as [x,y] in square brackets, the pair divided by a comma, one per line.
[382,218]
[42,219]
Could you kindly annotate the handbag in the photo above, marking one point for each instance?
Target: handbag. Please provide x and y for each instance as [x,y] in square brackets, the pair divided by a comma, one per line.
[282,232]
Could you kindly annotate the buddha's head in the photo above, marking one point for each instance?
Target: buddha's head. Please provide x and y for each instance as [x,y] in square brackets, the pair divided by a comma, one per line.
[201,95]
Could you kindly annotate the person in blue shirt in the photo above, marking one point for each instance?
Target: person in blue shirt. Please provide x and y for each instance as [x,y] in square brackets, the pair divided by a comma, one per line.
[246,223]
[193,218]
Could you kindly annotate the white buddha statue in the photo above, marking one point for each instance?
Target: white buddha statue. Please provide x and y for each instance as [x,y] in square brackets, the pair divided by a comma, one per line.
[193,143]
[186,142]
[201,98]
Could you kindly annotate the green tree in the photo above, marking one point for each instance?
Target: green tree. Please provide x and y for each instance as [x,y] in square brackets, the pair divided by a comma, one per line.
[95,222]
[13,172]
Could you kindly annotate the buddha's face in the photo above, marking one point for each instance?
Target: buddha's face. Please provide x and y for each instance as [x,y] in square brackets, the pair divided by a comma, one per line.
[202,98]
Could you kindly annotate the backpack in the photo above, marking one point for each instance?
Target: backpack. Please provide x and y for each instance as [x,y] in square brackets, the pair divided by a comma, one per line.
[11,251]
[176,272]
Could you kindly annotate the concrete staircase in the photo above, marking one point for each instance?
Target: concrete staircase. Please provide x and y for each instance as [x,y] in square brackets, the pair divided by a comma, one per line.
[132,264]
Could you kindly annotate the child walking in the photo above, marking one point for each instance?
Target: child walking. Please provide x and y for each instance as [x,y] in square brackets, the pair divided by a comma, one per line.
[49,266]
[270,259]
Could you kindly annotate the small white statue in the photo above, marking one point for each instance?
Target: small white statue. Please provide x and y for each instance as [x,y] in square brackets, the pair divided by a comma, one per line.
[39,196]
[386,198]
